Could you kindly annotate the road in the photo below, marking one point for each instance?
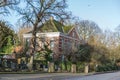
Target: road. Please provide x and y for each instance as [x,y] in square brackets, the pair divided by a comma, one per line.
[60,76]
[106,76]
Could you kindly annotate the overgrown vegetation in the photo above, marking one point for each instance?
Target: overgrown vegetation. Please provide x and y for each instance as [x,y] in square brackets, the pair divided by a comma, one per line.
[7,38]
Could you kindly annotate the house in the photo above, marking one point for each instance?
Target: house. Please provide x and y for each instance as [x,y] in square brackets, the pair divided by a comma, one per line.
[53,34]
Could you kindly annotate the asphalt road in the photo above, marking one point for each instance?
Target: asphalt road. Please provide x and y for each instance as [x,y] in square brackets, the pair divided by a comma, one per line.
[106,76]
[60,76]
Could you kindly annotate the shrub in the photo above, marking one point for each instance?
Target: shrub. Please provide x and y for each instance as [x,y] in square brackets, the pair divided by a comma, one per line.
[107,67]
[80,67]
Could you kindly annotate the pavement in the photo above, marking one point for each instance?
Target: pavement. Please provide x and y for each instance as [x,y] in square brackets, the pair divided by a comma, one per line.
[40,76]
[62,76]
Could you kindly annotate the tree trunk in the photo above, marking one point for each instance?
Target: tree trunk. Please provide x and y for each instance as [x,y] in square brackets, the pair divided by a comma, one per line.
[30,64]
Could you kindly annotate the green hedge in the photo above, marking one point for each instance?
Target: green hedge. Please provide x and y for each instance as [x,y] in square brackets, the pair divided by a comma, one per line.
[80,66]
[106,67]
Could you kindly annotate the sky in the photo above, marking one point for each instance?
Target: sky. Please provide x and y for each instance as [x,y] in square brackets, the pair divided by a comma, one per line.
[106,13]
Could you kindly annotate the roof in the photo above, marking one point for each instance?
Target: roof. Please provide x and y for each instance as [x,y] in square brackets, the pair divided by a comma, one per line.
[54,26]
[67,28]
[51,26]
[76,32]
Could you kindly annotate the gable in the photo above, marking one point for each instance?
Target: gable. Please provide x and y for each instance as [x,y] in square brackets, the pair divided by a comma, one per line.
[74,34]
[67,28]
[51,26]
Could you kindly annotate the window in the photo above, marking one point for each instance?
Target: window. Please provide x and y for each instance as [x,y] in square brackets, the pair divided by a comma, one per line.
[52,43]
[62,43]
[73,34]
[27,41]
[42,45]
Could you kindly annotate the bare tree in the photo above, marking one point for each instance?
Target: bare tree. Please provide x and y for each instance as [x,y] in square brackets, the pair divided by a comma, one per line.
[36,12]
[87,29]
[117,34]
[5,5]
[23,30]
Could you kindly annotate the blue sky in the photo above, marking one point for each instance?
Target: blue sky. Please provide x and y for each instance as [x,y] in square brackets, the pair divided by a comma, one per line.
[106,13]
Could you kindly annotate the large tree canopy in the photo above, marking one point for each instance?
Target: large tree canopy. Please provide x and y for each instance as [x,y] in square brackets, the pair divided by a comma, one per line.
[38,11]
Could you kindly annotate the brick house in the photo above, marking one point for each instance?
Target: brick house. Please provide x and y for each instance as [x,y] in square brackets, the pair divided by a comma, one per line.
[60,42]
